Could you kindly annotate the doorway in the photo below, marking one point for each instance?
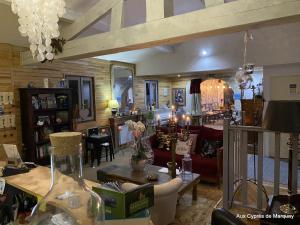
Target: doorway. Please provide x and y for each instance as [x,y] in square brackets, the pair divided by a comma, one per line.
[151,94]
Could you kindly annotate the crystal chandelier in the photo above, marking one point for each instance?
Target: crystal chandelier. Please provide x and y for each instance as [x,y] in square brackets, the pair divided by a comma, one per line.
[243,75]
[38,20]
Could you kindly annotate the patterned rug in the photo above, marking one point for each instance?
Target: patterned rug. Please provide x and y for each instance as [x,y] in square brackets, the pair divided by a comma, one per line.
[198,212]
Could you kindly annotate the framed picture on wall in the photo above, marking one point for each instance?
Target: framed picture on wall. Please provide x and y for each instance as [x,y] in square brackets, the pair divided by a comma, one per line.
[178,96]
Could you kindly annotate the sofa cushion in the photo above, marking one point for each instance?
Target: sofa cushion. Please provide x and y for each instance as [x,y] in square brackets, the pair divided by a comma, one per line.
[186,147]
[210,148]
[164,142]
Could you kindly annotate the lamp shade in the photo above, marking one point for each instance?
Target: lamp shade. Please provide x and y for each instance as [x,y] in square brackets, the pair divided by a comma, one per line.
[113,104]
[282,116]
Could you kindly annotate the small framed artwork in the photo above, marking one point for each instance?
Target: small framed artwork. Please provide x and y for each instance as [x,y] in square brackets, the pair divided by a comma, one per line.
[178,96]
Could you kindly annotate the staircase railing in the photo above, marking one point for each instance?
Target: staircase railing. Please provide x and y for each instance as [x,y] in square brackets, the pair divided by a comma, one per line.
[235,165]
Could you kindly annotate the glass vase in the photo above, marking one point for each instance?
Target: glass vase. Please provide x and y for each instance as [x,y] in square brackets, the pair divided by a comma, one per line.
[70,201]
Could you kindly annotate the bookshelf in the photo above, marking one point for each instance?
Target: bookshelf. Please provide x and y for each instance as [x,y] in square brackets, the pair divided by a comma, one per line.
[43,111]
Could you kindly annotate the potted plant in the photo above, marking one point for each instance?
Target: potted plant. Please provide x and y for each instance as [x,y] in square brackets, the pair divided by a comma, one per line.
[139,157]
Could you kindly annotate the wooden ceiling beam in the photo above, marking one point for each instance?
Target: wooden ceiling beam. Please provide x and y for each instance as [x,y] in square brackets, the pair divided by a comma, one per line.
[89,18]
[225,18]
[117,16]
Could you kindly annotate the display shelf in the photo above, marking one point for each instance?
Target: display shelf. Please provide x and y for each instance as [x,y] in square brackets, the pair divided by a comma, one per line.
[33,136]
[49,110]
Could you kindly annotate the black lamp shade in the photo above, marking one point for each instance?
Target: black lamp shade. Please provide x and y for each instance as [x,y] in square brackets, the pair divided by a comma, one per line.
[282,116]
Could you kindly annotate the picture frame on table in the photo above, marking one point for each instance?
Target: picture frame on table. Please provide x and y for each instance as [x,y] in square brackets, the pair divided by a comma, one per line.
[179,96]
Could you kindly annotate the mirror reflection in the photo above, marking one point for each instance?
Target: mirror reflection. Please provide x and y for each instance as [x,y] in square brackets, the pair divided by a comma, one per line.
[122,78]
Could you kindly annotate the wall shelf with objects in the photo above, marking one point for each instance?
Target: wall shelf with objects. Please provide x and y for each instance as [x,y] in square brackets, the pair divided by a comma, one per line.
[8,131]
[44,111]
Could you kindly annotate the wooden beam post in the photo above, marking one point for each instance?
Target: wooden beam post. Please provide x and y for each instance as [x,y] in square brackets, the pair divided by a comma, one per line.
[155,10]
[117,16]
[169,8]
[210,3]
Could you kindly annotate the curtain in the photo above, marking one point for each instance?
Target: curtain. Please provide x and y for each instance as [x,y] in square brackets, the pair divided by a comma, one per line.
[196,96]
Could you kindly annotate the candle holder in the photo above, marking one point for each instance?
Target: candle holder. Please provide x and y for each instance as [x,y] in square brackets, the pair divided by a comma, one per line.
[173,137]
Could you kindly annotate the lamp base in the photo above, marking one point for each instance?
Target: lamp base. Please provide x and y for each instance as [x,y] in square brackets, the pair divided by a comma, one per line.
[288,209]
[114,112]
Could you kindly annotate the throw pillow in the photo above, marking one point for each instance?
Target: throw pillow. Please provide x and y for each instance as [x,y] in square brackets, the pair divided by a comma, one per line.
[210,147]
[164,142]
[183,147]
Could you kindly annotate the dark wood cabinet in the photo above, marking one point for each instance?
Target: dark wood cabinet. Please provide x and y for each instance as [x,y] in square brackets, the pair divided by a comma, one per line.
[43,111]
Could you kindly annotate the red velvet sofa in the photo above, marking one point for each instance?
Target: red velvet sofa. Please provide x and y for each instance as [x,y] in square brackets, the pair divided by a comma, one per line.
[210,169]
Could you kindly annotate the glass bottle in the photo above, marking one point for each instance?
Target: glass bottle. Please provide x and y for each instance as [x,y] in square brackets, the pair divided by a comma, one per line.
[69,201]
[187,168]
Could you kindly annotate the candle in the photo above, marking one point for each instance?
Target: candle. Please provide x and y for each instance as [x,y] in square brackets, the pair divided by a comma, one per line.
[173,108]
[175,120]
[183,117]
[188,119]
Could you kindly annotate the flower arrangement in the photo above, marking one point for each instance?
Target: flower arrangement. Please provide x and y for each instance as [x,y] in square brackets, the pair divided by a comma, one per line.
[137,129]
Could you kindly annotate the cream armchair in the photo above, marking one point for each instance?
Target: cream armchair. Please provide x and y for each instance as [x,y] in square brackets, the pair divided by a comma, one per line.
[165,200]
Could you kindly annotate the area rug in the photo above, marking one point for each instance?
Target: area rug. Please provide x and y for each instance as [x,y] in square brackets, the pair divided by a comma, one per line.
[198,212]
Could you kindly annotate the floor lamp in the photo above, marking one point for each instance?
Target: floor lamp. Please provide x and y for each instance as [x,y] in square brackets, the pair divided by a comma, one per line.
[284,117]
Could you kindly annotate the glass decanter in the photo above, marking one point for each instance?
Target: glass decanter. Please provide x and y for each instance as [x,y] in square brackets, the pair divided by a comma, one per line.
[69,201]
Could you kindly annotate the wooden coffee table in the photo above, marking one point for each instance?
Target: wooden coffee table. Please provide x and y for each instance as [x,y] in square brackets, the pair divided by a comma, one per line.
[124,173]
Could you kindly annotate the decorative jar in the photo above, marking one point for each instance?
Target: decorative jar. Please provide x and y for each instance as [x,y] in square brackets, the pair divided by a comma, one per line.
[70,201]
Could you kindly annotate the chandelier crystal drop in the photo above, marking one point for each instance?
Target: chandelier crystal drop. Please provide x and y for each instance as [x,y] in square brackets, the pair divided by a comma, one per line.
[38,20]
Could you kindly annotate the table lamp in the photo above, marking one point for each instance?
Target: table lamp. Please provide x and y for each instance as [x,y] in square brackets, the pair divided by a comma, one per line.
[114,105]
[284,117]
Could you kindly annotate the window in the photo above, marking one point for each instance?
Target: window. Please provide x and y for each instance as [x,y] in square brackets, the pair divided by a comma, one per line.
[83,97]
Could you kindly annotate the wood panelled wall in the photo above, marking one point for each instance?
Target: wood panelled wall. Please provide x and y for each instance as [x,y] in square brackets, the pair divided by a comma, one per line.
[13,76]
[139,90]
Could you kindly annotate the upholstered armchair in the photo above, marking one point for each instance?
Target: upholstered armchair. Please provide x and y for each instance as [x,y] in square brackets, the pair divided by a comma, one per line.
[224,217]
[165,200]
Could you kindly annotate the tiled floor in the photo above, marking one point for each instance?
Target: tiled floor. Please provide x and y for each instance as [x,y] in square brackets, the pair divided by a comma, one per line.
[189,212]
